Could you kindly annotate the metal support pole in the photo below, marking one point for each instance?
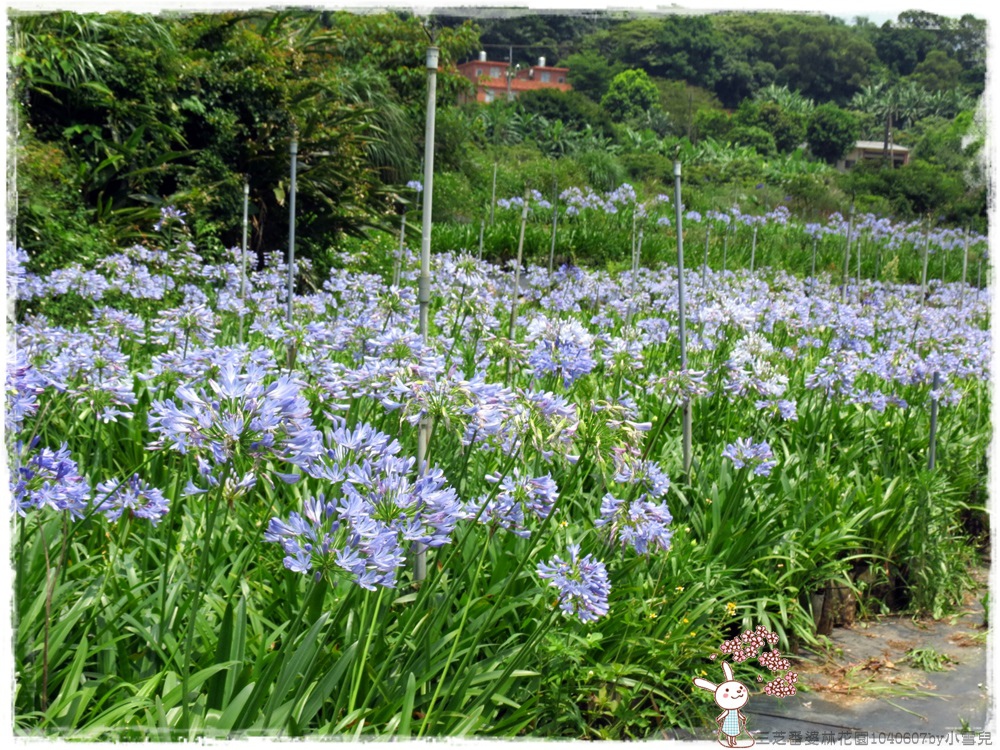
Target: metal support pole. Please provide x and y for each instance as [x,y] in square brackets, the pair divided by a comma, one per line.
[861,242]
[923,276]
[424,288]
[555,219]
[638,254]
[725,247]
[965,267]
[398,268]
[847,256]
[686,413]
[243,259]
[493,196]
[294,150]
[704,262]
[932,448]
[633,243]
[636,261]
[517,272]
[812,271]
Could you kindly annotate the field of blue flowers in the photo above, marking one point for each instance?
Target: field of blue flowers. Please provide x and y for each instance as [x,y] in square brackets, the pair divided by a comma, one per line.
[217,505]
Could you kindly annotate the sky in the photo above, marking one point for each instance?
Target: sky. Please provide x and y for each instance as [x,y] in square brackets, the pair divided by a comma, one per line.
[876,11]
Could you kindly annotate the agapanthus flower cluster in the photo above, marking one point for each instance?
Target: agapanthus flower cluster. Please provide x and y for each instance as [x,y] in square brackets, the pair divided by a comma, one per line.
[243,418]
[623,354]
[443,398]
[381,510]
[719,216]
[680,384]
[515,202]
[518,496]
[582,583]
[778,407]
[169,215]
[17,260]
[73,278]
[645,475]
[106,391]
[190,323]
[561,347]
[756,456]
[113,498]
[24,385]
[640,523]
[49,479]
[539,199]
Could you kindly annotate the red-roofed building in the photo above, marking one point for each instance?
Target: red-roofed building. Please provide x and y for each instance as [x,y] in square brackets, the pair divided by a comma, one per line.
[492,81]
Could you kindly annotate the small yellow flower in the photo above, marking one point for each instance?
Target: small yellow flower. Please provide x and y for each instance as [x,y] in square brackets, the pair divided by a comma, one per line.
[679,588]
[564,524]
[692,634]
[730,609]
[652,615]
[708,500]
[685,621]
[703,673]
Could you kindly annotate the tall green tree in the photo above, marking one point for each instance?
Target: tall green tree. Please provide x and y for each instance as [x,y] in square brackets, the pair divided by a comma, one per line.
[590,73]
[98,90]
[831,132]
[630,95]
[787,128]
[570,107]
[818,56]
[938,72]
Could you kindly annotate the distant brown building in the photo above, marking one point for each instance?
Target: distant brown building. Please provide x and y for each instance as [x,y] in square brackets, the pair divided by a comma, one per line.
[869,150]
[493,82]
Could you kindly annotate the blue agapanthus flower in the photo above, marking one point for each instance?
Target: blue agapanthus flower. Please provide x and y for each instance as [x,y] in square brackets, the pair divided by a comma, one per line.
[582,583]
[382,509]
[756,456]
[642,524]
[49,479]
[518,496]
[24,385]
[242,421]
[135,496]
[169,215]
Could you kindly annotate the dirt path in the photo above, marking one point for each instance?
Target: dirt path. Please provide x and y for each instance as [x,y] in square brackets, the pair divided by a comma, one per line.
[876,681]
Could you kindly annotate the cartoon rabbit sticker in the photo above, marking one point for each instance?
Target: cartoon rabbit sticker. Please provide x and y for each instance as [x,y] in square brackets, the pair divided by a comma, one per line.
[731,697]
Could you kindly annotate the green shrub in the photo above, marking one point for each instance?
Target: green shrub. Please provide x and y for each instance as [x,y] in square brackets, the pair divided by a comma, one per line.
[758,138]
[603,170]
[51,222]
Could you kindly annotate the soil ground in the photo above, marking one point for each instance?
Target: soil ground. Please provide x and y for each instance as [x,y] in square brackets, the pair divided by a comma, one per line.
[870,682]
[867,683]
